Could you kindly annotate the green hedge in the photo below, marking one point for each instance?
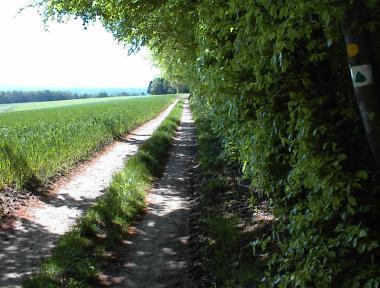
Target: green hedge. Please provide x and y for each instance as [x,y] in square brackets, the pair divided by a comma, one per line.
[292,123]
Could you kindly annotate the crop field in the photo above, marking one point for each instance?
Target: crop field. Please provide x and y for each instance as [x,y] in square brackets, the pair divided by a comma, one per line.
[14,107]
[37,144]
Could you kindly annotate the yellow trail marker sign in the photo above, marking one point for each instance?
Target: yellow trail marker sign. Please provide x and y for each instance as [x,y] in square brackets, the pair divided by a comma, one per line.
[352,50]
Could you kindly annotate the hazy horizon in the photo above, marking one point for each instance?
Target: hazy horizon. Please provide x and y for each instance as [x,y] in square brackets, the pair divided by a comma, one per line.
[8,88]
[65,56]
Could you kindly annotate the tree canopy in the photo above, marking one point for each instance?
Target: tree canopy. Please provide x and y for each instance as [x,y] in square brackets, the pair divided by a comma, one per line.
[159,86]
[273,76]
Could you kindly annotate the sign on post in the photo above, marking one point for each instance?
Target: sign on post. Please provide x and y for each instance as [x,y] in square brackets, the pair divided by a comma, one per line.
[361,75]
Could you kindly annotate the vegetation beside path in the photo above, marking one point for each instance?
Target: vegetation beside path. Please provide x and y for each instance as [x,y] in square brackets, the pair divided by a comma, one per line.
[77,259]
[35,145]
[229,225]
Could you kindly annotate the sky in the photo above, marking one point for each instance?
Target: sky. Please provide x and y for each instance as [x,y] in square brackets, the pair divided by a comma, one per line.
[65,56]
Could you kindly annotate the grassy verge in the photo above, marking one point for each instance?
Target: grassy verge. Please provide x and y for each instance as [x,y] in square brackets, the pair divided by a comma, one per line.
[228,223]
[77,259]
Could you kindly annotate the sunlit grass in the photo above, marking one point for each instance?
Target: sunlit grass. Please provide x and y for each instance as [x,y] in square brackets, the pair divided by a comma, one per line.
[37,144]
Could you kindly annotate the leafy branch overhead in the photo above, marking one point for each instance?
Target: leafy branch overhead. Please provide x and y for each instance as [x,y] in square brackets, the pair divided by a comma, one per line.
[273,77]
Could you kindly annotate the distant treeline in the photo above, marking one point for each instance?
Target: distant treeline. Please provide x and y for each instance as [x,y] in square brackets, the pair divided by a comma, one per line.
[7,97]
[159,86]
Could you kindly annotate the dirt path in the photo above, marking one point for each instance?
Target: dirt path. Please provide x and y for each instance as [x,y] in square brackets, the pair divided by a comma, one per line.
[34,235]
[156,254]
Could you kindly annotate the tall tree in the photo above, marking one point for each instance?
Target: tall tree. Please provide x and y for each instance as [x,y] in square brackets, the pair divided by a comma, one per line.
[159,86]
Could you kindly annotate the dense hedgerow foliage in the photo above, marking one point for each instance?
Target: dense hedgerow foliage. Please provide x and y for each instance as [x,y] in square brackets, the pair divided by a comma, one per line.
[36,144]
[273,77]
[293,124]
[294,127]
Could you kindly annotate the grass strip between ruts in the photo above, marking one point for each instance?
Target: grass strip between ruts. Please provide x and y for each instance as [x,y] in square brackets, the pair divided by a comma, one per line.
[77,259]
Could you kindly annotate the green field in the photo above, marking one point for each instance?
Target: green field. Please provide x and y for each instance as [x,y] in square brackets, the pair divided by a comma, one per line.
[14,107]
[37,144]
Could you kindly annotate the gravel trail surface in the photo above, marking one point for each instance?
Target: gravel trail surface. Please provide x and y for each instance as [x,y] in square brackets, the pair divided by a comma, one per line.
[34,234]
[156,254]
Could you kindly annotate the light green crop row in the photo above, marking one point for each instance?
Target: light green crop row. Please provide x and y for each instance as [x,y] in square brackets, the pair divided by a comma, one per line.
[26,106]
[35,145]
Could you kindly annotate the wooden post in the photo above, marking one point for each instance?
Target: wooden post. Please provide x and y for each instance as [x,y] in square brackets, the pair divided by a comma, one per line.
[363,74]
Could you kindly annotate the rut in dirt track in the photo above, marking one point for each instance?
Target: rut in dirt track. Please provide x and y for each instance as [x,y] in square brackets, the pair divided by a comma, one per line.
[34,235]
[156,255]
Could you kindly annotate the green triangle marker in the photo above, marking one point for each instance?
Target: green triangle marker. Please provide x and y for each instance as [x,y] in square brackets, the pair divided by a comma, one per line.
[360,78]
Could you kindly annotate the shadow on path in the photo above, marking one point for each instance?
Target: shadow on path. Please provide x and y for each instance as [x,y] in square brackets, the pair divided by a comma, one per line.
[15,256]
[18,254]
[156,254]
